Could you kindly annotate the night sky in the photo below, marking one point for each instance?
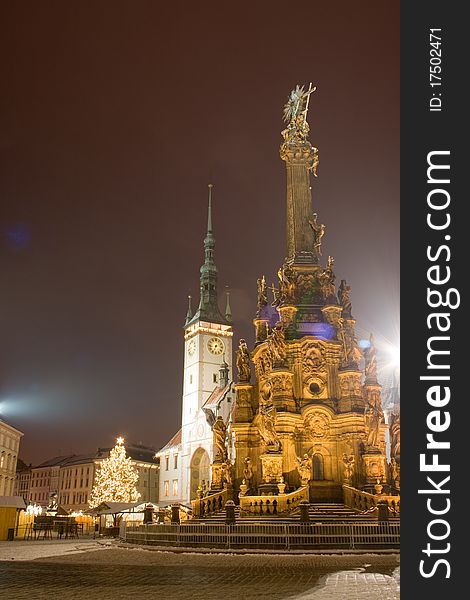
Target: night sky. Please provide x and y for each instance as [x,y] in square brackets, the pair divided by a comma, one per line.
[114,118]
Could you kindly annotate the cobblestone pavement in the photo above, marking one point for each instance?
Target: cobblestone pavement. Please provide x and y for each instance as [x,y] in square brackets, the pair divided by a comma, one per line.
[113,573]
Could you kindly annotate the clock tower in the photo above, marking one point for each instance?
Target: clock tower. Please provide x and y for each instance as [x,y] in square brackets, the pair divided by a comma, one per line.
[208,343]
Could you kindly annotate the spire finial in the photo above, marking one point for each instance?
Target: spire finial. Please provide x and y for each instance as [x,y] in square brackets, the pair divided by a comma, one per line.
[209,212]
[189,314]
[228,308]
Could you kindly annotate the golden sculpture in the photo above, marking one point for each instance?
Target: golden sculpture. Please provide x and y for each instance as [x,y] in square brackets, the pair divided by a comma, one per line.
[219,432]
[262,296]
[304,468]
[243,362]
[310,398]
[344,297]
[248,472]
[348,461]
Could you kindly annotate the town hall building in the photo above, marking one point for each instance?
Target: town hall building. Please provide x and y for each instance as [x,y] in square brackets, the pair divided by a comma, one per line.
[185,461]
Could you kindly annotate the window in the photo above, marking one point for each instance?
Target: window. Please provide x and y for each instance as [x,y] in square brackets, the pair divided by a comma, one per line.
[190,379]
[167,487]
[214,377]
[176,461]
[175,487]
[167,463]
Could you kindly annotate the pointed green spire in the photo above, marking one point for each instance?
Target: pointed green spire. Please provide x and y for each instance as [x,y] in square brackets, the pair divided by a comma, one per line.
[208,309]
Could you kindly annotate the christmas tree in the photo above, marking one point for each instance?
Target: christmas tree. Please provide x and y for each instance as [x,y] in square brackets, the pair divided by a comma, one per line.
[115,478]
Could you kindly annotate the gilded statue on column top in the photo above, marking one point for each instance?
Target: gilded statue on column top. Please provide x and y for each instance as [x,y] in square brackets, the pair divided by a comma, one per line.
[296,132]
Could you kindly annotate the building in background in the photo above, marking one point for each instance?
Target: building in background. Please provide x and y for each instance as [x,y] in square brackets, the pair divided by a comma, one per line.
[9,448]
[45,480]
[77,476]
[23,480]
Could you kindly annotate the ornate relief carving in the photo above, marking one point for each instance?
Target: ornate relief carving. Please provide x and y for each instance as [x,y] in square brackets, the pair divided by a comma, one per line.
[243,397]
[313,359]
[350,385]
[263,363]
[281,384]
[271,467]
[317,424]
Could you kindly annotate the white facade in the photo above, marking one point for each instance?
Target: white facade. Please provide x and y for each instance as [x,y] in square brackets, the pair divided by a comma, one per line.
[207,346]
[9,448]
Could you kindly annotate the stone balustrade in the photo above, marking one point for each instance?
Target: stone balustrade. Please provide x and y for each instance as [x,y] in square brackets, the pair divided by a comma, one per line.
[273,504]
[364,501]
[209,505]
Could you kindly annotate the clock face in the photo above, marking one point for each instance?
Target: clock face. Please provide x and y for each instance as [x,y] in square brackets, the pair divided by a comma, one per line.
[191,347]
[215,346]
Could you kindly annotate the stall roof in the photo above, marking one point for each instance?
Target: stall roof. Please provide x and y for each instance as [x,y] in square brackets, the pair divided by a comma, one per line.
[112,508]
[13,502]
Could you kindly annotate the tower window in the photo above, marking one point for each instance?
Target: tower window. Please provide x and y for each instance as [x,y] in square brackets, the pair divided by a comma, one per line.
[176,461]
[214,377]
[190,379]
[167,463]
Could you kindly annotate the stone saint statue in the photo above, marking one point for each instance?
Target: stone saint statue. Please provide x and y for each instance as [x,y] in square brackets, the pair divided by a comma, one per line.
[373,418]
[226,473]
[286,277]
[348,461]
[265,421]
[370,367]
[262,296]
[248,472]
[304,468]
[243,362]
[318,232]
[277,344]
[276,295]
[219,432]
[327,279]
[344,298]
[395,436]
[395,473]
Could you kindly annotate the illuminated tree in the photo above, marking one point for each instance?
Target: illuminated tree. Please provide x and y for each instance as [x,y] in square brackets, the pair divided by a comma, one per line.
[115,478]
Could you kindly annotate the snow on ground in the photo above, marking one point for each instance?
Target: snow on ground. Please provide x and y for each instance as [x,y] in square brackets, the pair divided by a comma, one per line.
[32,549]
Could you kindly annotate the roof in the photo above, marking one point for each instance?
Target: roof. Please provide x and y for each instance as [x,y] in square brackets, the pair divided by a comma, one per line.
[12,502]
[10,427]
[57,461]
[135,452]
[210,405]
[112,508]
[216,396]
[175,441]
[79,459]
